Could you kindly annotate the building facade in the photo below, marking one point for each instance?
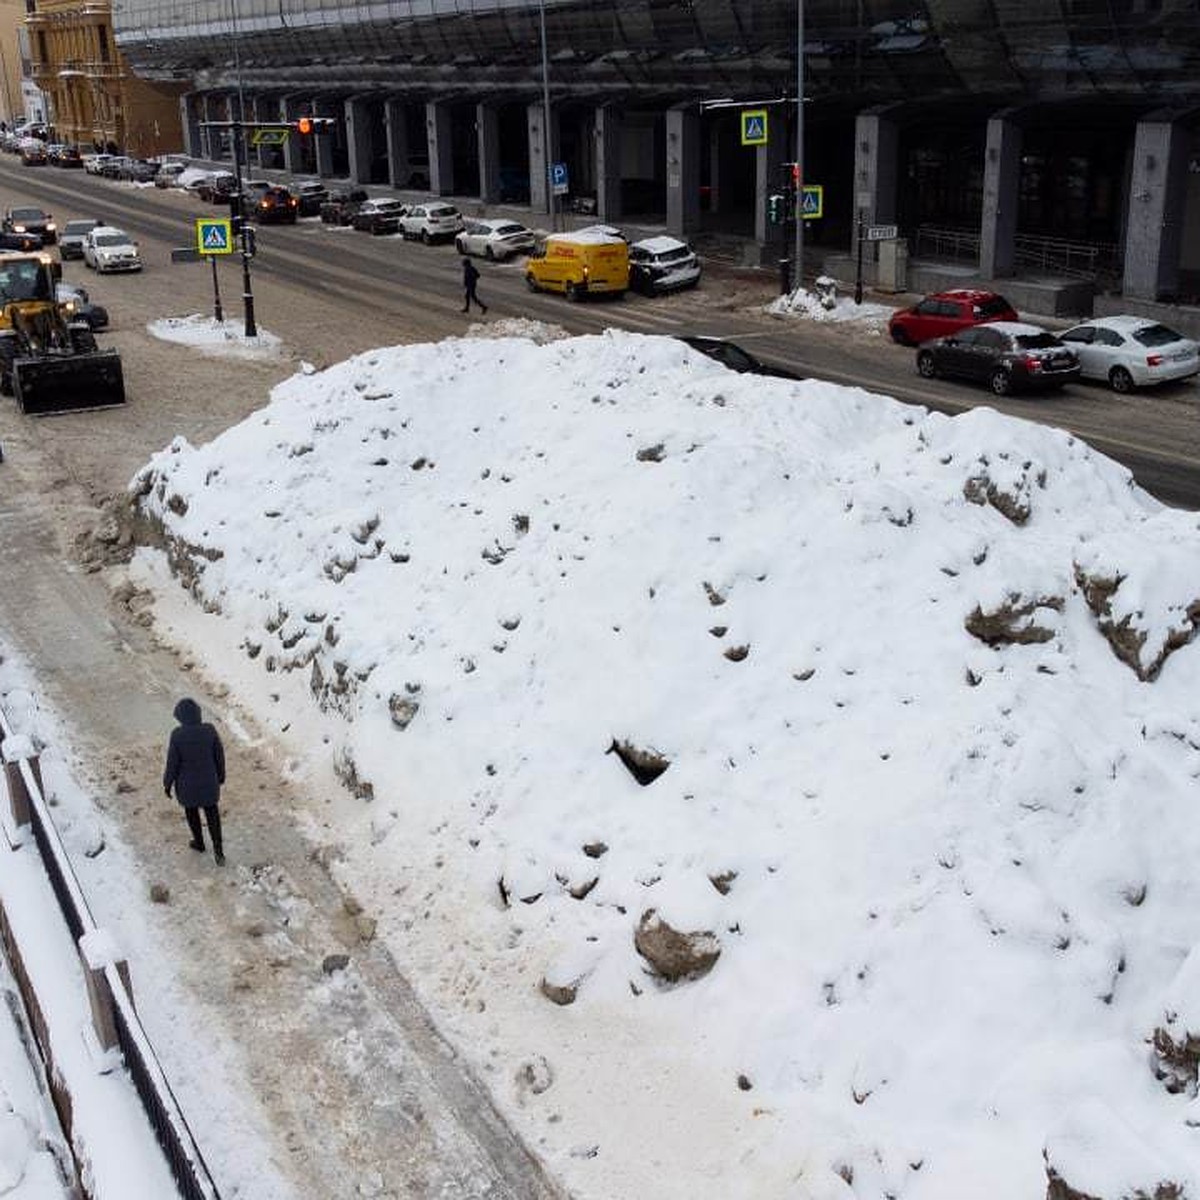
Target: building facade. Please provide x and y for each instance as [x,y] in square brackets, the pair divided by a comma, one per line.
[93,98]
[1060,136]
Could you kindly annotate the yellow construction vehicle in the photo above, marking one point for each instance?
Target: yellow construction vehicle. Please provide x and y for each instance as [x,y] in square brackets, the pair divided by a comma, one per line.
[47,360]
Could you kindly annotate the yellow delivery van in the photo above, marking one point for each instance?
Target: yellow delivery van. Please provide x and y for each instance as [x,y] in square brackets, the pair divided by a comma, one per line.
[584,263]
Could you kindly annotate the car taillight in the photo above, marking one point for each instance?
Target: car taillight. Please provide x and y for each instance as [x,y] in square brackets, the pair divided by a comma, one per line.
[1031,363]
[1154,360]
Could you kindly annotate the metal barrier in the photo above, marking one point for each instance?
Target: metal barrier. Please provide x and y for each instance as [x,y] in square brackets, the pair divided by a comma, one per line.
[1101,261]
[108,987]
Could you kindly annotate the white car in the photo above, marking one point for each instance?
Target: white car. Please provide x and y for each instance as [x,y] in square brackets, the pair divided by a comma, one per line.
[107,248]
[494,239]
[431,221]
[662,264]
[1131,352]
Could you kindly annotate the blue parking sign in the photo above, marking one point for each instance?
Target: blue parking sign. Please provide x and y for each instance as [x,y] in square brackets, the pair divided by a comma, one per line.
[558,178]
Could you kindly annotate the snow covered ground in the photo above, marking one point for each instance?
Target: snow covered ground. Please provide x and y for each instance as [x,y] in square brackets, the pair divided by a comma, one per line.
[920,697]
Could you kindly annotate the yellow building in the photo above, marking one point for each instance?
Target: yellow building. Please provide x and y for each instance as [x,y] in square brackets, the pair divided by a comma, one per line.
[12,18]
[93,97]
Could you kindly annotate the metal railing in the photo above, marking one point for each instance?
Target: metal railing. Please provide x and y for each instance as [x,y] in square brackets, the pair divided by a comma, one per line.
[162,1110]
[1101,261]
[936,241]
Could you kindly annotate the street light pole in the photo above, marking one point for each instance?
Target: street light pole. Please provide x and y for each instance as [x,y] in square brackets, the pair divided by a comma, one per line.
[547,151]
[798,252]
[238,209]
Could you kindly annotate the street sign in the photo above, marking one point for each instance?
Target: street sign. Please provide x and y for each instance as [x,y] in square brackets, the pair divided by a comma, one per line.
[881,233]
[272,136]
[812,204]
[214,235]
[754,127]
[559,178]
[186,254]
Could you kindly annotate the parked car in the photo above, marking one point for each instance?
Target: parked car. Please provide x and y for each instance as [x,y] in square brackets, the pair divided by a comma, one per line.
[1006,355]
[112,166]
[379,215]
[311,193]
[340,208]
[80,306]
[495,239]
[734,357]
[662,264]
[107,248]
[276,204]
[579,264]
[93,164]
[429,222]
[138,170]
[70,241]
[68,156]
[1132,352]
[28,219]
[168,174]
[947,312]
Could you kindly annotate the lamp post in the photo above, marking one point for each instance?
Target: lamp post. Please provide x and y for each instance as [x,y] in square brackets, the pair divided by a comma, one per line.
[238,206]
[547,140]
[798,252]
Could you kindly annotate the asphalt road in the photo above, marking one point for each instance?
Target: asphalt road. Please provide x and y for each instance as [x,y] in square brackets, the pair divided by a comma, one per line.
[383,290]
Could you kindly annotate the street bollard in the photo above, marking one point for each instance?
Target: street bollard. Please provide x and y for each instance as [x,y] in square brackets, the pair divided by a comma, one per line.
[785,276]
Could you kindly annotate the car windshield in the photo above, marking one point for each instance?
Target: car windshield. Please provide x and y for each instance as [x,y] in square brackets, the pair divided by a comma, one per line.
[443,211]
[388,206]
[73,227]
[23,281]
[28,214]
[669,256]
[508,230]
[111,239]
[993,307]
[1036,341]
[1157,335]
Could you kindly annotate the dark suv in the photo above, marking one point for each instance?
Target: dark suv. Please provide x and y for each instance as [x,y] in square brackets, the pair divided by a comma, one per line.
[31,221]
[311,193]
[340,208]
[947,312]
[1006,355]
[276,205]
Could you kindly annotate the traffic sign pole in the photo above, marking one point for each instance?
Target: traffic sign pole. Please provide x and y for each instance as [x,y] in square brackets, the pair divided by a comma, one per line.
[218,315]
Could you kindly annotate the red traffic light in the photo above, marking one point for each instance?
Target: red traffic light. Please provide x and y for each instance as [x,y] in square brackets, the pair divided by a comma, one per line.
[305,125]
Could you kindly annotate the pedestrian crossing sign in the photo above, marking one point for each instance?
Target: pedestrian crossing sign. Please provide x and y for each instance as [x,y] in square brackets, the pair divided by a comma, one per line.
[214,235]
[812,203]
[754,127]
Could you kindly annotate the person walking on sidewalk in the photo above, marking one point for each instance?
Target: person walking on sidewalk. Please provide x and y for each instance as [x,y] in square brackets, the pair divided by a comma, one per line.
[196,770]
[470,279]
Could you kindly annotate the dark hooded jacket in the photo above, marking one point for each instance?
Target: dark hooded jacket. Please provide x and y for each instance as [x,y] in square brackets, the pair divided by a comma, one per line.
[195,759]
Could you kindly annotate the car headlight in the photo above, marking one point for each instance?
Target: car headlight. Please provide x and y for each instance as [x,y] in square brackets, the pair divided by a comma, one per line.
[50,227]
[18,229]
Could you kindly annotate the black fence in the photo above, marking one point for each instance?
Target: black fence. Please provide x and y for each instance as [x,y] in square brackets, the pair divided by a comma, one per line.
[162,1109]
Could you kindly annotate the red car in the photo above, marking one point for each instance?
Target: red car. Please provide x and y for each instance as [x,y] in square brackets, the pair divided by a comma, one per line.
[947,312]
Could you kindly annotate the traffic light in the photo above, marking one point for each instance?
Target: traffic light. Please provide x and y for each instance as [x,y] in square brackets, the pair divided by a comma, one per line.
[775,208]
[307,125]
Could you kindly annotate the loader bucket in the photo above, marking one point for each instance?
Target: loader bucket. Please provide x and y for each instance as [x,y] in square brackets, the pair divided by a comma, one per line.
[68,383]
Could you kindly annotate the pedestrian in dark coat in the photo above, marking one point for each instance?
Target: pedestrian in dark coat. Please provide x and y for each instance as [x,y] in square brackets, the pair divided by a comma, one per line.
[470,279]
[196,769]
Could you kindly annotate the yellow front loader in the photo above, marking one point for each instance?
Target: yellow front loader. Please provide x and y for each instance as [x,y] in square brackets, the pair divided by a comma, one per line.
[49,362]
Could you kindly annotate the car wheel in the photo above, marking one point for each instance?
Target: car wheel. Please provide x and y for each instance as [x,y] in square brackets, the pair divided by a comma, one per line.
[530,282]
[1120,380]
[1001,382]
[900,337]
[425,236]
[574,293]
[927,365]
[460,245]
[489,254]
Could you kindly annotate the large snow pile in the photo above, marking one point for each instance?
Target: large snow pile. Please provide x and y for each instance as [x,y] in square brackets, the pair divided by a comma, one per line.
[779,790]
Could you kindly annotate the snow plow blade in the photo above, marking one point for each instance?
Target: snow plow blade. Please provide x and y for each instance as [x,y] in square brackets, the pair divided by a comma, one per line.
[68,384]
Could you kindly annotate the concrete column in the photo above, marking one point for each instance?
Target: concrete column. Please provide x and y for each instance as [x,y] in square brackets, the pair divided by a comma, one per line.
[97,953]
[289,110]
[1001,189]
[358,139]
[768,178]
[439,137]
[876,170]
[189,118]
[395,120]
[608,164]
[714,167]
[323,143]
[209,137]
[539,155]
[487,130]
[683,171]
[1157,198]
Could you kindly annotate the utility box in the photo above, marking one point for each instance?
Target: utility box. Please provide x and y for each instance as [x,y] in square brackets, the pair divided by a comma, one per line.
[893,265]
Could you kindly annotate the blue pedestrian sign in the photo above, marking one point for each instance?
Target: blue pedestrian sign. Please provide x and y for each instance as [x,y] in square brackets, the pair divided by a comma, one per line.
[754,127]
[214,235]
[812,203]
[558,178]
